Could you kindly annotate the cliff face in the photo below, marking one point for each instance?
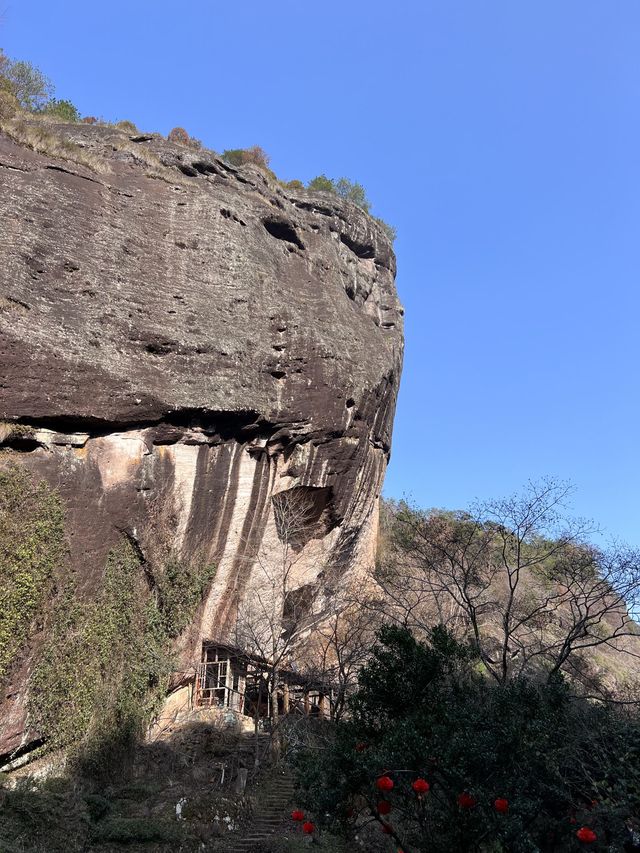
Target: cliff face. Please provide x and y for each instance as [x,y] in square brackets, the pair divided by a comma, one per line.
[179,333]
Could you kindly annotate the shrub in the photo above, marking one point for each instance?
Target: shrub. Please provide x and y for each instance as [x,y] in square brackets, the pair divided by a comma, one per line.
[353,192]
[350,191]
[127,126]
[293,185]
[179,136]
[322,184]
[9,105]
[422,711]
[389,230]
[45,817]
[63,110]
[243,156]
[132,830]
[89,120]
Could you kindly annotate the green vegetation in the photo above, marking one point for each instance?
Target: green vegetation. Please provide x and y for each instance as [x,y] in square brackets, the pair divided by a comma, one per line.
[422,711]
[106,668]
[242,156]
[61,110]
[32,91]
[30,87]
[32,548]
[104,663]
[350,191]
[24,89]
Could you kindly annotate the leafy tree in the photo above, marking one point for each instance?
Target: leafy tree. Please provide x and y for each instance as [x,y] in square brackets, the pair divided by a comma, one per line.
[322,184]
[509,767]
[63,110]
[354,192]
[29,85]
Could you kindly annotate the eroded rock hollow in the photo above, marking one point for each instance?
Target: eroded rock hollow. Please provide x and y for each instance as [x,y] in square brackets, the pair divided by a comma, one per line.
[175,331]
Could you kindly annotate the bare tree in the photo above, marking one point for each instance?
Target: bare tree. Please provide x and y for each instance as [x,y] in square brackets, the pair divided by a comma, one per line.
[340,646]
[274,615]
[519,577]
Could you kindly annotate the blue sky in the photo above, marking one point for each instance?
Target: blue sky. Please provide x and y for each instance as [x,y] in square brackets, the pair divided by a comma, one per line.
[501,138]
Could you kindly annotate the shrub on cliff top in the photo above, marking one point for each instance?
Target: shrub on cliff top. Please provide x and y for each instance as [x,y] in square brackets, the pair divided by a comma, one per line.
[62,110]
[127,126]
[243,156]
[179,136]
[350,191]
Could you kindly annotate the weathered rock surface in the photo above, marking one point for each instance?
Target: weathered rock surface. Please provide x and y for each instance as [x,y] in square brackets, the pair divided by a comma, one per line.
[173,328]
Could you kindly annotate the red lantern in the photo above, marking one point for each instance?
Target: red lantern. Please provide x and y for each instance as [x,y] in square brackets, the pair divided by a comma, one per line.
[308,828]
[466,801]
[501,805]
[384,807]
[586,835]
[420,786]
[386,828]
[384,783]
[297,815]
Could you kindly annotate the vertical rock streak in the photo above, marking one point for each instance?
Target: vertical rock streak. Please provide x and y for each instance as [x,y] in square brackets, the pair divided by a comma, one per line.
[198,343]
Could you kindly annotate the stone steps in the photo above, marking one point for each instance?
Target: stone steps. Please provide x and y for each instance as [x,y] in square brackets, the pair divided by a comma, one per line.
[268,818]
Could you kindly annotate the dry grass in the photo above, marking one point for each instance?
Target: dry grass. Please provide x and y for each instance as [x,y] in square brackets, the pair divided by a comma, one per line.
[40,136]
[40,133]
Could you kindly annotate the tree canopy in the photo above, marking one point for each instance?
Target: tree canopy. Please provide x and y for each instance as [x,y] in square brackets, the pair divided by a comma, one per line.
[434,756]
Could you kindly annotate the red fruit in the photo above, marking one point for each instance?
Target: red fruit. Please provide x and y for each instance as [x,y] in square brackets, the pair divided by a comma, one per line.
[350,812]
[421,786]
[466,801]
[360,747]
[501,805]
[586,835]
[386,828]
[297,815]
[308,828]
[384,807]
[384,783]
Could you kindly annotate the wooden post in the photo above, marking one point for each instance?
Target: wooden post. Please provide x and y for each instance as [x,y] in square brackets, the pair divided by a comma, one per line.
[285,698]
[306,703]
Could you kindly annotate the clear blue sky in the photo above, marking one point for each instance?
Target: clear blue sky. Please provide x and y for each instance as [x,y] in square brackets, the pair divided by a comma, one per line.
[501,137]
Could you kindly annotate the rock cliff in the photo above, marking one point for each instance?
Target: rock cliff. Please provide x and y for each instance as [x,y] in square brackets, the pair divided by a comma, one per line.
[179,333]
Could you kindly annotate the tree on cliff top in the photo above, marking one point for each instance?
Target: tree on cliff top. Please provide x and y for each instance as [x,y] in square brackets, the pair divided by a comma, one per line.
[26,82]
